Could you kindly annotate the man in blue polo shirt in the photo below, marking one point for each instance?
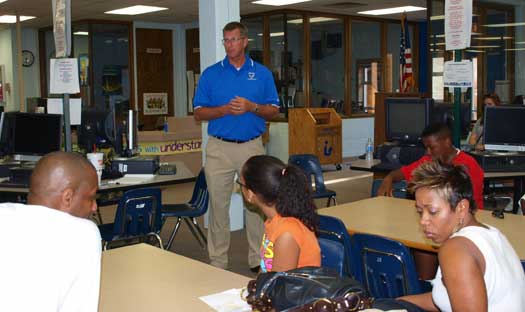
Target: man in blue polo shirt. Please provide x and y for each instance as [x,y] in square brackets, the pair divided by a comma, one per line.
[236,96]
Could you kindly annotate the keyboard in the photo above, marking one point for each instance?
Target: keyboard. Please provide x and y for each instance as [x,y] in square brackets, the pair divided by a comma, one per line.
[167,169]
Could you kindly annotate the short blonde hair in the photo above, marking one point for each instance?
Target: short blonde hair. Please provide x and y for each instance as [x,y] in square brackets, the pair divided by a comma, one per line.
[451,183]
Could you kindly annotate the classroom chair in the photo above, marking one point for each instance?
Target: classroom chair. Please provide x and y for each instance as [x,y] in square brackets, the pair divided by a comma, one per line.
[196,207]
[388,268]
[399,189]
[312,167]
[334,229]
[332,254]
[138,213]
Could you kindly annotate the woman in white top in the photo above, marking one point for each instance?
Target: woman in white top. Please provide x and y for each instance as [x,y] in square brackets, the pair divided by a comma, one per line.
[478,268]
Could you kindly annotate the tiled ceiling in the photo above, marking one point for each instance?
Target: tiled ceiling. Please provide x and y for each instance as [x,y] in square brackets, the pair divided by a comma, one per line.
[186,11]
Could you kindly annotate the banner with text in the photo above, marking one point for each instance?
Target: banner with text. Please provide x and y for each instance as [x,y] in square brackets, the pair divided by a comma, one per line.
[170,147]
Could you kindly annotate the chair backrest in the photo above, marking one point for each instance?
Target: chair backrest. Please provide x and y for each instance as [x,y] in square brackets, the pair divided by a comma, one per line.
[138,213]
[332,254]
[334,229]
[311,167]
[399,189]
[388,269]
[199,199]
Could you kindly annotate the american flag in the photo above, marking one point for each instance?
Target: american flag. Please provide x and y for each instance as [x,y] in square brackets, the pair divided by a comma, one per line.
[406,79]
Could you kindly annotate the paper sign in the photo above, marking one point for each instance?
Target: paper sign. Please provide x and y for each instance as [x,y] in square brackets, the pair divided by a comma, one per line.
[155,104]
[64,76]
[458,24]
[54,106]
[458,74]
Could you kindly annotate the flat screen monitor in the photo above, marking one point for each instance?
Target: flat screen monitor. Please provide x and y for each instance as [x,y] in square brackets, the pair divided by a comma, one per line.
[406,118]
[503,128]
[34,135]
[443,112]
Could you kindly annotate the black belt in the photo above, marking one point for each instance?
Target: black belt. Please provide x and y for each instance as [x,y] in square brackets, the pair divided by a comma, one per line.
[236,141]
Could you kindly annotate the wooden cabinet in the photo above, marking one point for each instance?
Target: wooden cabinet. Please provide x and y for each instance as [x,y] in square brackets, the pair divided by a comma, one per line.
[316,131]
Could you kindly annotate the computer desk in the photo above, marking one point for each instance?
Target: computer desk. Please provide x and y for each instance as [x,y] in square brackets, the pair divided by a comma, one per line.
[183,175]
[397,219]
[517,177]
[145,278]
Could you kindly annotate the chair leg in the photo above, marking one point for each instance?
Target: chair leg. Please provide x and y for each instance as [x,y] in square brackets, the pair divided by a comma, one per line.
[330,199]
[190,225]
[194,220]
[172,237]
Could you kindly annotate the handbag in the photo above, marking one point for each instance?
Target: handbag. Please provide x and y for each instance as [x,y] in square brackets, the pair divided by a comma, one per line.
[305,288]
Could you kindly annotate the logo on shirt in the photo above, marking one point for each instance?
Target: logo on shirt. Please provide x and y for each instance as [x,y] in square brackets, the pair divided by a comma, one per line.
[251,76]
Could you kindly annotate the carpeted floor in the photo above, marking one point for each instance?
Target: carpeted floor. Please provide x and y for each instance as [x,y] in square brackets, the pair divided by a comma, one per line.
[349,185]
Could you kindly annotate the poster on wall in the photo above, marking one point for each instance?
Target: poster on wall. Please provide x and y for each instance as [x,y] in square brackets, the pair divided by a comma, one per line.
[155,104]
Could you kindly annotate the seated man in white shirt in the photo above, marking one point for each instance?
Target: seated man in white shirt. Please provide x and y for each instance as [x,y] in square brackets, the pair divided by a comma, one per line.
[50,251]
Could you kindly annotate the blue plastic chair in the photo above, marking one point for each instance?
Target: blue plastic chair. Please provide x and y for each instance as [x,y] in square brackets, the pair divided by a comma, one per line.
[334,229]
[332,254]
[388,269]
[138,213]
[196,207]
[399,189]
[312,167]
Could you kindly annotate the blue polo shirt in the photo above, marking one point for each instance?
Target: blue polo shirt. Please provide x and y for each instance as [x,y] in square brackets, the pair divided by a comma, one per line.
[222,82]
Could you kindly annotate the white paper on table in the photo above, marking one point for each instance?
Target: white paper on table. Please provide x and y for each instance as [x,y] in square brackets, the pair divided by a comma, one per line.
[64,76]
[133,179]
[227,301]
[54,106]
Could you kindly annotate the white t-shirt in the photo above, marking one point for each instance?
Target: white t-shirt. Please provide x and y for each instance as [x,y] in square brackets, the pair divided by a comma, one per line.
[49,260]
[504,276]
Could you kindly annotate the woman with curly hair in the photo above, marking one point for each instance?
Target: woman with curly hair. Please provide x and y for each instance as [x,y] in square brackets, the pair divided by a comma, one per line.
[283,193]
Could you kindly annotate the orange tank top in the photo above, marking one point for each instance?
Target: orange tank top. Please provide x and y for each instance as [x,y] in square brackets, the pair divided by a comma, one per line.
[309,254]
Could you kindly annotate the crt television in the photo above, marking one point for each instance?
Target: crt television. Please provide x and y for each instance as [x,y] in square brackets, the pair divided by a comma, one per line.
[28,136]
[503,128]
[406,118]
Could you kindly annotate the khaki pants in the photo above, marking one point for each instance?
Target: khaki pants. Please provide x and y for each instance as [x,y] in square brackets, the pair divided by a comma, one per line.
[223,160]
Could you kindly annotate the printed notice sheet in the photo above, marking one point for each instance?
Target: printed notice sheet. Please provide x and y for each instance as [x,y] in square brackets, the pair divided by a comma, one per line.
[64,76]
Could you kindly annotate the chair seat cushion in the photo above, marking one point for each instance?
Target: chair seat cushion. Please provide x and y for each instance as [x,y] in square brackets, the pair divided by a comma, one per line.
[180,210]
[325,194]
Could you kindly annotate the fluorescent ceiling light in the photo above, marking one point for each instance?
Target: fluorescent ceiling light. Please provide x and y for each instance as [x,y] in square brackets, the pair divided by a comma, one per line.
[475,51]
[11,19]
[2,1]
[81,33]
[436,44]
[519,42]
[274,34]
[279,2]
[402,9]
[437,17]
[505,25]
[485,46]
[136,10]
[493,38]
[516,49]
[319,19]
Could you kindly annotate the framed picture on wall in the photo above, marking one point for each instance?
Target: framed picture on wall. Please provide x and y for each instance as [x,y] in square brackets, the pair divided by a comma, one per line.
[155,103]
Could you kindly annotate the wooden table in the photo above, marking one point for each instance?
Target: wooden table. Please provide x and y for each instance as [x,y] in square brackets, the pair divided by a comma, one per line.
[146,278]
[397,219]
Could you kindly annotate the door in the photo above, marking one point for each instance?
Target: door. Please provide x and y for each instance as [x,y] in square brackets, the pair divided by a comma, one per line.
[154,77]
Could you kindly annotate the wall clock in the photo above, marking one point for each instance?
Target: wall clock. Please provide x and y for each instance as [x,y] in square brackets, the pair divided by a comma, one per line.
[27,58]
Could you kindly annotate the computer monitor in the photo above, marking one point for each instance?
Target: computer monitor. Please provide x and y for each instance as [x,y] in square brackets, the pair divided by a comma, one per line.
[406,118]
[443,112]
[97,130]
[32,135]
[503,128]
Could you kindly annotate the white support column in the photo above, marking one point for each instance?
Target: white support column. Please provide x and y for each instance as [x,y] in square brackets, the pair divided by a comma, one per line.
[213,15]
